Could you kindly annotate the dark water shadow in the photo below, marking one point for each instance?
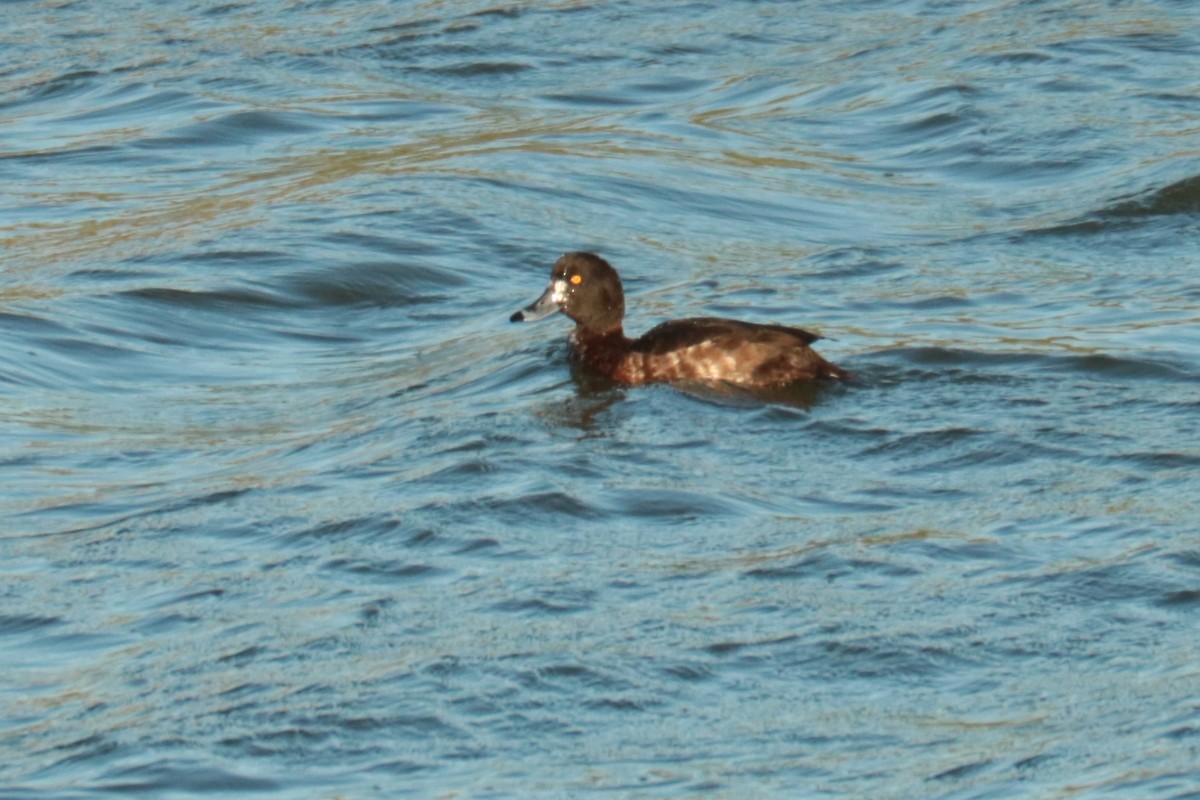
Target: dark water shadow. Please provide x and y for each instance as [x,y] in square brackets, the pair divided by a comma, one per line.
[595,395]
[1179,198]
[962,365]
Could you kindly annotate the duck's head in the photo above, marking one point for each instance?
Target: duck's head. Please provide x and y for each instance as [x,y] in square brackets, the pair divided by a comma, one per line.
[586,288]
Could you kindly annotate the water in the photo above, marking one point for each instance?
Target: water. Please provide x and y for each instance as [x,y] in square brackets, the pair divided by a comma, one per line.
[289,508]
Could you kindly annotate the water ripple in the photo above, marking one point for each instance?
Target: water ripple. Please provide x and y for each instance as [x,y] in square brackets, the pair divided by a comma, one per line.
[290,508]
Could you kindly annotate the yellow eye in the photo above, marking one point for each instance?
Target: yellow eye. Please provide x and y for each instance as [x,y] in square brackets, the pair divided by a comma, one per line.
[576,279]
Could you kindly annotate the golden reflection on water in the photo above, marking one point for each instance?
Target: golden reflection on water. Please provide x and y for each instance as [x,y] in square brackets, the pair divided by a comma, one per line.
[246,198]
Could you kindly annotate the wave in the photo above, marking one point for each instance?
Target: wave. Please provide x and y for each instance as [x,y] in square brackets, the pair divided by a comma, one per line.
[1175,199]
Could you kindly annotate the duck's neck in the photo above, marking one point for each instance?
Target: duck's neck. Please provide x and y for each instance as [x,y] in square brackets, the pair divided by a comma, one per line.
[584,337]
[602,350]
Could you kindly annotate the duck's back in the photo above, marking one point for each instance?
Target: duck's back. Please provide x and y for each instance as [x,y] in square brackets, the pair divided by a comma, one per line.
[710,348]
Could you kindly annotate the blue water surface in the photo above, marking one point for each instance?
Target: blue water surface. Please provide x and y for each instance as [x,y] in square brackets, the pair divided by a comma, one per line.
[289,508]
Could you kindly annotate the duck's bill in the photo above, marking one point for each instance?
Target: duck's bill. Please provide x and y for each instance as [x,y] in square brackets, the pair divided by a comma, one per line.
[549,303]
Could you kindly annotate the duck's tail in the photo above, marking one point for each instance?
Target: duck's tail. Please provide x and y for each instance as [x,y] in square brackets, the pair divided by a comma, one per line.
[832,372]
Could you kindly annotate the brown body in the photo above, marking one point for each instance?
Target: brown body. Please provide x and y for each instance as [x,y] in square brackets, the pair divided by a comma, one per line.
[705,349]
[586,288]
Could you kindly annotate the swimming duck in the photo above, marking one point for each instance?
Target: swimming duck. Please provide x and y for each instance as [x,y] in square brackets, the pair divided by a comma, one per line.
[587,289]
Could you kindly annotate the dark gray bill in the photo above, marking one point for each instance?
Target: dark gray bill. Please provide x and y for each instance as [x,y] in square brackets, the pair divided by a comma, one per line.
[541,308]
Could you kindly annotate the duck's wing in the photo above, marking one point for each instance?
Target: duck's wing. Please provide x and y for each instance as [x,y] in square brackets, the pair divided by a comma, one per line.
[683,333]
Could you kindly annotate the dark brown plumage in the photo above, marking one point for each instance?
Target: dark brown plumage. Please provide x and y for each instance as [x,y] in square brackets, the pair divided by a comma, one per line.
[587,289]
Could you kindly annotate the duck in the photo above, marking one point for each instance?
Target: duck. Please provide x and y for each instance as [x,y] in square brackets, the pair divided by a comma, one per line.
[587,289]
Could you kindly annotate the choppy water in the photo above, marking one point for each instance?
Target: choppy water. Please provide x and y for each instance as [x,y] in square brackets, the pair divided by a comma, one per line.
[289,508]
